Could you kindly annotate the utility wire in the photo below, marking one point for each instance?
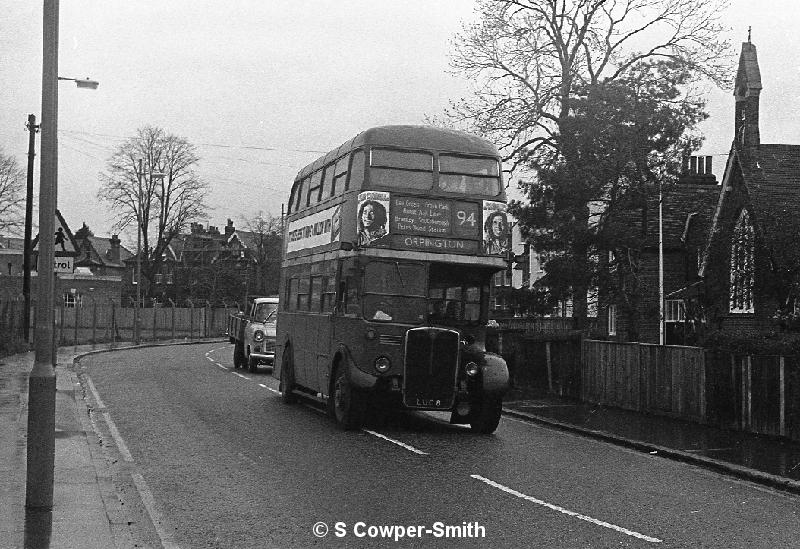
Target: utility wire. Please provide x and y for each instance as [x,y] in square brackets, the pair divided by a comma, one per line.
[219,145]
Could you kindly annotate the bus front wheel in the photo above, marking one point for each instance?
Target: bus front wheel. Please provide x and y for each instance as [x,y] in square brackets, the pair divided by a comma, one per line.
[486,415]
[345,404]
[287,377]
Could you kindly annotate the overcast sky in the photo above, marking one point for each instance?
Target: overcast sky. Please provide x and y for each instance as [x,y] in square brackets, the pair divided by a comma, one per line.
[264,87]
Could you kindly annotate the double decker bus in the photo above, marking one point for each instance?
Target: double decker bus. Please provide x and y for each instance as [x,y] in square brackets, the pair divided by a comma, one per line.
[390,243]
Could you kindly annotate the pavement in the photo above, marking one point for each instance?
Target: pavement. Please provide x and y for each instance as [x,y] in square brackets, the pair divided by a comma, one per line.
[86,511]
[766,460]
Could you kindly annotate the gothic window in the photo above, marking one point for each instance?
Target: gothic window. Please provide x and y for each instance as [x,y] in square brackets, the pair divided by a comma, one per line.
[742,265]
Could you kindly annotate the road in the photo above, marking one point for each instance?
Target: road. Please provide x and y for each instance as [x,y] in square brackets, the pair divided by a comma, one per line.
[203,455]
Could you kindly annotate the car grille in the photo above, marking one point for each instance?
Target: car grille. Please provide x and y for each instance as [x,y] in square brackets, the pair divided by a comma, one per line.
[431,361]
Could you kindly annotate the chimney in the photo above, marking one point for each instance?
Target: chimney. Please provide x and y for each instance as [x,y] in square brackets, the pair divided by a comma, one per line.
[229,228]
[113,252]
[697,170]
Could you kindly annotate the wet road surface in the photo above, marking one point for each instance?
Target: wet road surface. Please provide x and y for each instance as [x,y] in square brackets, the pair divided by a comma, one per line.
[213,458]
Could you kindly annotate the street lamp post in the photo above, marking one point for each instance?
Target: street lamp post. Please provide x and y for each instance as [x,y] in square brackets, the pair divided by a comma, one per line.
[42,379]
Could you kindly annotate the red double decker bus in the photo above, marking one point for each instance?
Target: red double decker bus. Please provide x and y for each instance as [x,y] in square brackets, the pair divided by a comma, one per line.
[391,241]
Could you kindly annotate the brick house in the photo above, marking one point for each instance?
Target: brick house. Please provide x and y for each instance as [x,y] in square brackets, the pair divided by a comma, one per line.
[98,273]
[751,261]
[688,207]
[206,263]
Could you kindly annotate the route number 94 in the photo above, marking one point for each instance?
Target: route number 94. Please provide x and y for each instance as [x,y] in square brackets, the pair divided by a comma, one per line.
[464,218]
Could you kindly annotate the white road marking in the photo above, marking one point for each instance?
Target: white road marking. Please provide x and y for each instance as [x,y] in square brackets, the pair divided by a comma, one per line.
[268,388]
[209,358]
[96,396]
[221,366]
[241,376]
[155,517]
[401,444]
[138,480]
[123,448]
[566,511]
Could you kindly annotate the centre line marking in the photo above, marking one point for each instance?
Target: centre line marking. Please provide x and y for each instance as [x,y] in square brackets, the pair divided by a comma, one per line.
[565,511]
[393,441]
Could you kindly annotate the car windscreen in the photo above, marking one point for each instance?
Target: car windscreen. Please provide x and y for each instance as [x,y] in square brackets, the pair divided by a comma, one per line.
[265,312]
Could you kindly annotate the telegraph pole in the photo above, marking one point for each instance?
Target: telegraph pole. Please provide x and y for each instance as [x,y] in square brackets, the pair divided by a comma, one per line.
[136,312]
[26,253]
[42,380]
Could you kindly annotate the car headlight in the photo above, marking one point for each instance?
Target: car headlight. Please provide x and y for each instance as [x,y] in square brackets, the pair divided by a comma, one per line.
[471,369]
[258,335]
[382,364]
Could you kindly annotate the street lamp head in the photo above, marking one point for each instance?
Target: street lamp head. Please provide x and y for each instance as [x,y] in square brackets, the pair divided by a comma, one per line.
[85,83]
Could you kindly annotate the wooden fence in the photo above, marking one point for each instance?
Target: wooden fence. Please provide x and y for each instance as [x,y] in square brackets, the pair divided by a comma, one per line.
[759,394]
[107,321]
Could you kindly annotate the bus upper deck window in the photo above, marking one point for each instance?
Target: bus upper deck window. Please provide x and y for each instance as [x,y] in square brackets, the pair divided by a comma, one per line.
[338,174]
[297,201]
[405,160]
[327,182]
[314,188]
[469,175]
[356,179]
[403,169]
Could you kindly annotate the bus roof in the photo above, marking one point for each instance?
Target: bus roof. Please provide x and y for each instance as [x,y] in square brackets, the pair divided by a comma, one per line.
[408,137]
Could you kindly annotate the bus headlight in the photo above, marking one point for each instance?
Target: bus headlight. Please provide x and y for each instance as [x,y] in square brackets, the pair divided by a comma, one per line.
[382,364]
[370,334]
[258,335]
[471,369]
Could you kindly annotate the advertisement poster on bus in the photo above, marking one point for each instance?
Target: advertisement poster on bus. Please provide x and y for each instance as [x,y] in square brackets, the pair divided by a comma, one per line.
[373,217]
[496,236]
[314,230]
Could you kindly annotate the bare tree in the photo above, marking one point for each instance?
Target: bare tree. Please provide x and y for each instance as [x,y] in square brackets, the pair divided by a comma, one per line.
[265,238]
[12,182]
[529,57]
[151,183]
[540,64]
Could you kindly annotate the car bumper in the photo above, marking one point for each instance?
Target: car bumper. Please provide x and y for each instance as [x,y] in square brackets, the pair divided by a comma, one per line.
[269,358]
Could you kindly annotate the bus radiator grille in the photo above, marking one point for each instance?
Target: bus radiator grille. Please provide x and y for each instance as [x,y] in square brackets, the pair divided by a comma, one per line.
[431,362]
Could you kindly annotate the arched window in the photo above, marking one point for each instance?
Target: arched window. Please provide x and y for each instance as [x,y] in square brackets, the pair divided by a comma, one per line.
[742,265]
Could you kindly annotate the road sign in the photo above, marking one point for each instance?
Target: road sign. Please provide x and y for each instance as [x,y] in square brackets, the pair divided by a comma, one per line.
[64,264]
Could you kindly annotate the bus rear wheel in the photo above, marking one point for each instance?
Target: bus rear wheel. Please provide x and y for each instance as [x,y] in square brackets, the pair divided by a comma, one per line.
[345,404]
[286,385]
[485,417]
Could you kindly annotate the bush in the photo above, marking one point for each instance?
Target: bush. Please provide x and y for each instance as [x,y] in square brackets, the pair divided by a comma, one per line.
[742,342]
